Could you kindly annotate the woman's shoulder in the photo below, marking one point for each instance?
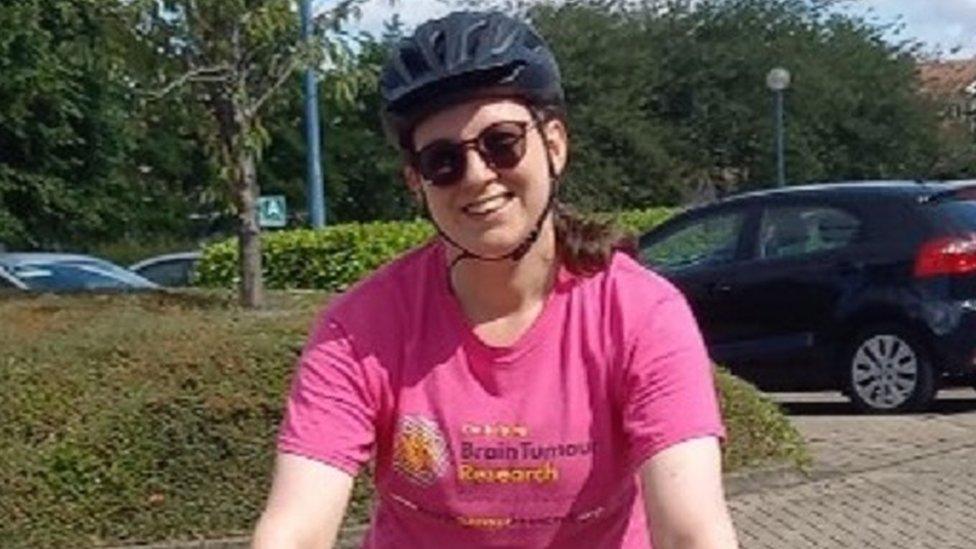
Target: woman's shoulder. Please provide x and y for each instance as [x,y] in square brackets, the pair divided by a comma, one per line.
[623,298]
[392,289]
[631,283]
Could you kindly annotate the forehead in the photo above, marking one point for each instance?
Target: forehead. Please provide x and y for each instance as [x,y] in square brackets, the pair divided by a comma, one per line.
[466,120]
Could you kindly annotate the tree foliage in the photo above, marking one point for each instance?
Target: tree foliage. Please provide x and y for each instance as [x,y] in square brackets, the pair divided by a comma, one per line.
[668,99]
[361,170]
[232,58]
[131,118]
[63,135]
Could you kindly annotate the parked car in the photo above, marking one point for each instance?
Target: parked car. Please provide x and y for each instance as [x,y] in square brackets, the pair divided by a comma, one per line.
[174,270]
[869,288]
[49,272]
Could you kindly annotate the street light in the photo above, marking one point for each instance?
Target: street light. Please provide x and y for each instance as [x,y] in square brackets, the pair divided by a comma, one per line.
[778,80]
[315,195]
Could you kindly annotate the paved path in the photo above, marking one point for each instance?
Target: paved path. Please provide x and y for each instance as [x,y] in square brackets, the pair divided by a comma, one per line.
[877,482]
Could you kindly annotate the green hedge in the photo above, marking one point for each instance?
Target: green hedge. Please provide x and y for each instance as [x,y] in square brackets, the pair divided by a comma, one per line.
[131,419]
[336,257]
[638,221]
[331,259]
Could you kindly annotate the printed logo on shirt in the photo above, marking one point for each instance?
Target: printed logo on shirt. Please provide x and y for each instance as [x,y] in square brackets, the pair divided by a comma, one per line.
[419,450]
[507,454]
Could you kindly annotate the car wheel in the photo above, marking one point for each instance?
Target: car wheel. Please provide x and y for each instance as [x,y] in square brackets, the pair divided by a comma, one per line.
[889,370]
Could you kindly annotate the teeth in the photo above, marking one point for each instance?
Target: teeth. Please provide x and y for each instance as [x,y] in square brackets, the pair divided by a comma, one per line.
[487,206]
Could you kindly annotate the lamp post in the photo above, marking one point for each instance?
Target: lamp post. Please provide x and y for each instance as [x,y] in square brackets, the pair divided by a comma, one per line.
[315,195]
[778,80]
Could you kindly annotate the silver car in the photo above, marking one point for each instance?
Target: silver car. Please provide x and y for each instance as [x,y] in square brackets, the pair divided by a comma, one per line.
[173,270]
[51,272]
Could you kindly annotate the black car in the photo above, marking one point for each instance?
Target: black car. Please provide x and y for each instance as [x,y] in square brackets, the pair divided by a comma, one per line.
[865,287]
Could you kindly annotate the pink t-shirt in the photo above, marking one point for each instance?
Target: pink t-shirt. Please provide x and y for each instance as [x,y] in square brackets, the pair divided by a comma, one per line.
[533,445]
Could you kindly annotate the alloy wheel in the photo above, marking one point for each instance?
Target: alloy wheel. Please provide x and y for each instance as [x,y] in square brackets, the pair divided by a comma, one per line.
[885,371]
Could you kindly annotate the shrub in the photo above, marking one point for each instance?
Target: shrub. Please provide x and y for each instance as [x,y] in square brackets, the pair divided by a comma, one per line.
[141,418]
[334,258]
[639,221]
[331,259]
[758,432]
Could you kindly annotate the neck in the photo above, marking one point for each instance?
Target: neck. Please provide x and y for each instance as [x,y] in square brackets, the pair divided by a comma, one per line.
[490,290]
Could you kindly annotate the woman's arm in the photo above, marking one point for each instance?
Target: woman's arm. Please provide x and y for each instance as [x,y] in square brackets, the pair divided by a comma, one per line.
[306,505]
[684,497]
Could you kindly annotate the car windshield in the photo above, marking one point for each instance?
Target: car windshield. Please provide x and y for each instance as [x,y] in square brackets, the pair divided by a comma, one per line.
[76,275]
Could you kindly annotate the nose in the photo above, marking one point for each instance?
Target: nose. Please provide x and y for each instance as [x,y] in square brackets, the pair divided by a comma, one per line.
[476,169]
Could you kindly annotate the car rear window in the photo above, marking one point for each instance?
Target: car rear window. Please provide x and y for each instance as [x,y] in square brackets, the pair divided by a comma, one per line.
[961,214]
[76,275]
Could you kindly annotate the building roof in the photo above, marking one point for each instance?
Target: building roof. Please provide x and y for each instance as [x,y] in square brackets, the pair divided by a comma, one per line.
[948,78]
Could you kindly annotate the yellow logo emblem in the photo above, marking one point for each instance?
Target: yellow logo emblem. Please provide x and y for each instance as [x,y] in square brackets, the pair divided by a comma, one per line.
[419,450]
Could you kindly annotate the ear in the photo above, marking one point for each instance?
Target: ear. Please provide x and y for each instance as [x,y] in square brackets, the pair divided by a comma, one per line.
[414,182]
[557,141]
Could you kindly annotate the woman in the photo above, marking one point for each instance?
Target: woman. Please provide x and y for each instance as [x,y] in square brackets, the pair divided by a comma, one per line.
[517,381]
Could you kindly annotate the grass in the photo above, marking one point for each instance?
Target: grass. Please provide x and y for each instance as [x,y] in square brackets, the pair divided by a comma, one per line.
[138,418]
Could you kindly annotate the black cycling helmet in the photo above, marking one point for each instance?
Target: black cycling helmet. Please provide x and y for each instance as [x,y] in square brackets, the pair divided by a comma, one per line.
[462,56]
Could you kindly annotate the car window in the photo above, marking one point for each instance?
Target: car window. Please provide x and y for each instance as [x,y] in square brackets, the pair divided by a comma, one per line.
[168,273]
[797,231]
[4,283]
[708,241]
[75,275]
[961,212]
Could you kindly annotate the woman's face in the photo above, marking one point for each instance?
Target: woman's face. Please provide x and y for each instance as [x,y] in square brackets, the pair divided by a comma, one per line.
[489,211]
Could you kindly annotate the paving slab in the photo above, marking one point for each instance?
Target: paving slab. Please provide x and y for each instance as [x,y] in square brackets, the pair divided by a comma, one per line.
[900,482]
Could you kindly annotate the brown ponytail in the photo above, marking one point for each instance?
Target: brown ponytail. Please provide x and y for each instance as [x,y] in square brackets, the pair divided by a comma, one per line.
[586,244]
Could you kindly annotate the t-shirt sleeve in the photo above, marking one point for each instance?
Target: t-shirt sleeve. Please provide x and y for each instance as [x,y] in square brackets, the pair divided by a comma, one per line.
[670,392]
[331,407]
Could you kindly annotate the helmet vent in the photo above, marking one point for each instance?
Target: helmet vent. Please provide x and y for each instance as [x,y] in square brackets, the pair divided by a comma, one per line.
[414,62]
[472,40]
[439,45]
[505,42]
[531,41]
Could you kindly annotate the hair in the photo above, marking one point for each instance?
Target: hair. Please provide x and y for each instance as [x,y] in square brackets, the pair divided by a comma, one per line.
[586,244]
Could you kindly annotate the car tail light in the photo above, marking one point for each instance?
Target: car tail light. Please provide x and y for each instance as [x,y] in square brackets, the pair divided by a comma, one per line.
[947,256]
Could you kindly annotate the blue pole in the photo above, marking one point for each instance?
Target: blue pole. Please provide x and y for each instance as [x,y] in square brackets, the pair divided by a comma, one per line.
[780,159]
[315,194]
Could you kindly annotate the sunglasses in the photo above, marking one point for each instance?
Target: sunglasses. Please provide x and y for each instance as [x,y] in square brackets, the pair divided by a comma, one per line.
[444,162]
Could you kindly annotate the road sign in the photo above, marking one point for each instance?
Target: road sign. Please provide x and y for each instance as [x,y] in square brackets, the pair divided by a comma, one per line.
[272,211]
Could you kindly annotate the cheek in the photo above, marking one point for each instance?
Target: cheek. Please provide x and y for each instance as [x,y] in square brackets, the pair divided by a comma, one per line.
[439,201]
[534,179]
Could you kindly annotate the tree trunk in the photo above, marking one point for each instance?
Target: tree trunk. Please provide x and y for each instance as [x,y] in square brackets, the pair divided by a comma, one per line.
[249,233]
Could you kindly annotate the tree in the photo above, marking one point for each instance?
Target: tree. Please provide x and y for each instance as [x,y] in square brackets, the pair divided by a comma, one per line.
[362,170]
[233,57]
[667,99]
[64,137]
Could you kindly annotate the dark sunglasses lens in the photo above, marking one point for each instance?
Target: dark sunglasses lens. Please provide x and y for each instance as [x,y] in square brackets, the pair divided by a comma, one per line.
[441,163]
[503,145]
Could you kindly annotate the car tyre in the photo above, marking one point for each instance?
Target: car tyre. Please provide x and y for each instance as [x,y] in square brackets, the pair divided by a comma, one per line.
[888,369]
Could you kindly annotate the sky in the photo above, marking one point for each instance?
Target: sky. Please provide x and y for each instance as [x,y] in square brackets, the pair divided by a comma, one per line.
[940,24]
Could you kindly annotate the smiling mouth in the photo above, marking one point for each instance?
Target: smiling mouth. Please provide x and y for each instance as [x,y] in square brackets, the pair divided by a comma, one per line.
[488,205]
